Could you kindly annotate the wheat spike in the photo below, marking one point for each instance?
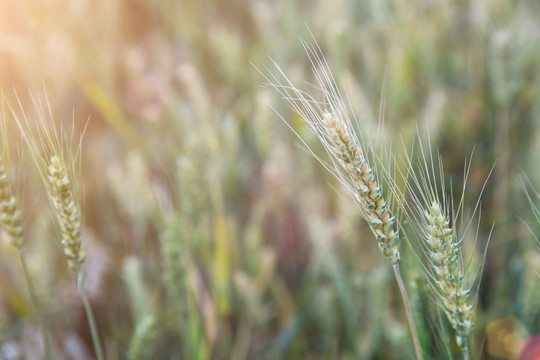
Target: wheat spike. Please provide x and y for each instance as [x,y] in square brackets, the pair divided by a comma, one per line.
[444,254]
[57,159]
[441,226]
[367,192]
[330,121]
[10,213]
[67,213]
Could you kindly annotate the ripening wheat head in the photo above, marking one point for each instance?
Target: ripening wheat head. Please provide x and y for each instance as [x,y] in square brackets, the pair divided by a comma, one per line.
[330,121]
[58,161]
[441,229]
[10,212]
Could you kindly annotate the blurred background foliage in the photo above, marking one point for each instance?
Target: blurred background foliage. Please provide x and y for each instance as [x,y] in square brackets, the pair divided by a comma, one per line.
[210,234]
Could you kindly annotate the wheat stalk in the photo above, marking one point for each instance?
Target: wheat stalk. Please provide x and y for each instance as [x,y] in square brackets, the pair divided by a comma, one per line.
[11,220]
[331,123]
[58,162]
[442,228]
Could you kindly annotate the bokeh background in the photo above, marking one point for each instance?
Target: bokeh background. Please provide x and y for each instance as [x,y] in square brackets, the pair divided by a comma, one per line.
[211,233]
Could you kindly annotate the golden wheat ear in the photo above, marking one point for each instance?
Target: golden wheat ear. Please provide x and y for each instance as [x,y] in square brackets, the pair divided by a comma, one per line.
[440,228]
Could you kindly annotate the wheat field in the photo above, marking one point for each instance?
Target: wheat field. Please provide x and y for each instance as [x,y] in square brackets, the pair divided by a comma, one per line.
[257,179]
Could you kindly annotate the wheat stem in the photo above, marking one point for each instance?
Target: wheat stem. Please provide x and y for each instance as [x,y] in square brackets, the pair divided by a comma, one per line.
[11,222]
[408,311]
[89,315]
[465,352]
[330,122]
[52,153]
[367,192]
[69,219]
[35,307]
[442,227]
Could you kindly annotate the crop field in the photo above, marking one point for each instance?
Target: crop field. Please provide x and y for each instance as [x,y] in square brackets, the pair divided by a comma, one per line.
[260,179]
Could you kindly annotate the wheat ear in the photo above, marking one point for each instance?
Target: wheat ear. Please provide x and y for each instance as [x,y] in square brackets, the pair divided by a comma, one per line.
[441,229]
[330,121]
[365,189]
[67,214]
[10,214]
[444,254]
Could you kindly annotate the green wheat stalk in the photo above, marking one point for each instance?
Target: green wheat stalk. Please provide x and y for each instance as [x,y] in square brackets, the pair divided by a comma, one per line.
[441,227]
[11,220]
[331,123]
[59,167]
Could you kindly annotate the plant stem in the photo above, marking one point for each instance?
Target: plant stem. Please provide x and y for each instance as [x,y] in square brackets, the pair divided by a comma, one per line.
[89,315]
[465,351]
[35,308]
[408,311]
